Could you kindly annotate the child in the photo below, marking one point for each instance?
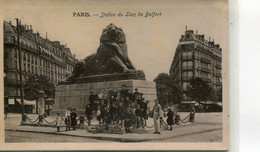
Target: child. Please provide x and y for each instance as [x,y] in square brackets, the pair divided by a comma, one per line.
[129,121]
[99,114]
[58,121]
[138,114]
[73,119]
[68,119]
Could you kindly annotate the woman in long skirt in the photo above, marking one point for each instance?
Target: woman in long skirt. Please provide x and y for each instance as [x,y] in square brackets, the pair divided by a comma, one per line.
[156,116]
[170,118]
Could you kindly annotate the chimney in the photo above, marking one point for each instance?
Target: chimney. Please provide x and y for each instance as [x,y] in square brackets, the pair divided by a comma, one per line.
[25,27]
[186,28]
[46,35]
[196,32]
[209,39]
[10,22]
[28,28]
[31,28]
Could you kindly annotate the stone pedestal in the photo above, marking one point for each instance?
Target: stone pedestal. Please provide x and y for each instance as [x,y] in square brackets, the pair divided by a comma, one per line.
[76,95]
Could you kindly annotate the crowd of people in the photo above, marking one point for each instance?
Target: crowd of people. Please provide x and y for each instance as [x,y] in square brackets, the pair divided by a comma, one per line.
[118,107]
[121,107]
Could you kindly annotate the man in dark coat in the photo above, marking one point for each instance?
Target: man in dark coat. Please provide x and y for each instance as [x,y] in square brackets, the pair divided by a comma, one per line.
[88,113]
[92,99]
[144,107]
[73,116]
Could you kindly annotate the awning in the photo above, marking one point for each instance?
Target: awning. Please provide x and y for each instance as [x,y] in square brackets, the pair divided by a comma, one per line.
[49,101]
[190,102]
[27,102]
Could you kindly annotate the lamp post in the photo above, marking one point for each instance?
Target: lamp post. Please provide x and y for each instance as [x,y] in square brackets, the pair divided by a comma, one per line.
[18,24]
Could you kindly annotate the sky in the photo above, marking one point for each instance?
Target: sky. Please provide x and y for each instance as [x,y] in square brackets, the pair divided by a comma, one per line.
[151,41]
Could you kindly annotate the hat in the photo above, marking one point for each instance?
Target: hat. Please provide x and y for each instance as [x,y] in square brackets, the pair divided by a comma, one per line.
[123,85]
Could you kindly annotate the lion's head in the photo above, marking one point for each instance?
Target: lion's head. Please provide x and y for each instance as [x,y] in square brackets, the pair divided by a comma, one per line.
[113,34]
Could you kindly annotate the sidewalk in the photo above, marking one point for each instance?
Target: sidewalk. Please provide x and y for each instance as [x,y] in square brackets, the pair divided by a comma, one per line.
[12,123]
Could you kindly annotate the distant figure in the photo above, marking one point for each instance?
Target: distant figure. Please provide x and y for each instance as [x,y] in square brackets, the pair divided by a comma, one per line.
[170,121]
[192,114]
[121,113]
[88,113]
[92,98]
[129,119]
[99,114]
[139,116]
[68,119]
[123,92]
[145,111]
[81,121]
[58,121]
[73,116]
[136,94]
[156,116]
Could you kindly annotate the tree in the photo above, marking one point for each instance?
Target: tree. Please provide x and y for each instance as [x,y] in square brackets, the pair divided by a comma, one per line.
[36,83]
[167,90]
[200,90]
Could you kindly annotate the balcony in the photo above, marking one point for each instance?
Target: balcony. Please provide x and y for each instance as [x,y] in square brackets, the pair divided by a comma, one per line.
[186,78]
[219,74]
[206,79]
[187,67]
[205,70]
[187,57]
[218,66]
[206,60]
[219,83]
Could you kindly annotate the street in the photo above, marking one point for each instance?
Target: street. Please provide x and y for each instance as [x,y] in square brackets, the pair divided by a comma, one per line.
[16,136]
[207,128]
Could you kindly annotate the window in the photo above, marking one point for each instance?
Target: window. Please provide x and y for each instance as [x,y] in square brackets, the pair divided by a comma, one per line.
[24,67]
[35,60]
[15,64]
[15,53]
[28,68]
[32,59]
[36,72]
[32,70]
[187,55]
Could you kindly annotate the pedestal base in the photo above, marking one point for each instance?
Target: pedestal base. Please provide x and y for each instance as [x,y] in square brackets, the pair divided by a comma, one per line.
[76,95]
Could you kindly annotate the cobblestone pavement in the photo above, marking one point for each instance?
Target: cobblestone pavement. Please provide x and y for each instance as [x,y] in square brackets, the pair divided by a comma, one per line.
[208,128]
[16,136]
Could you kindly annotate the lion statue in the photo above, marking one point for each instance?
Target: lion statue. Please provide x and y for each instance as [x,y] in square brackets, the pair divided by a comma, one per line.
[111,56]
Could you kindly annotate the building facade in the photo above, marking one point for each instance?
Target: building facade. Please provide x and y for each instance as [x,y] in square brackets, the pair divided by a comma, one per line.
[39,56]
[197,57]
